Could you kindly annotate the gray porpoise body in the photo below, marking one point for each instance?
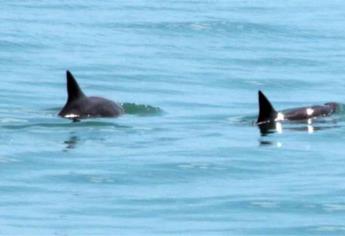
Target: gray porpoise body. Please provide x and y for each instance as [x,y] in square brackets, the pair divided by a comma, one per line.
[80,106]
[268,114]
[300,113]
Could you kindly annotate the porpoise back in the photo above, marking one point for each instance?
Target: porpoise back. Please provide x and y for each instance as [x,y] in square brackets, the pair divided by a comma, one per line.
[268,114]
[80,106]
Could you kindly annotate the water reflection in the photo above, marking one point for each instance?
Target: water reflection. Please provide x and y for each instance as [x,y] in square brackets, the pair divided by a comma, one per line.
[71,143]
[308,126]
[270,143]
[267,128]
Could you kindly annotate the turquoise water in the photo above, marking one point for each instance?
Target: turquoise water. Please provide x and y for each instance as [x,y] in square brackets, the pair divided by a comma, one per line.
[186,160]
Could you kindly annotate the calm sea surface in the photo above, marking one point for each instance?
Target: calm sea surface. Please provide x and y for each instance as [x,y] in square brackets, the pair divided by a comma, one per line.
[187,159]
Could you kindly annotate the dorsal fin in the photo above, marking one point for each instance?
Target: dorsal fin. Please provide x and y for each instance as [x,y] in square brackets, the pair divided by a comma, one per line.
[266,111]
[73,90]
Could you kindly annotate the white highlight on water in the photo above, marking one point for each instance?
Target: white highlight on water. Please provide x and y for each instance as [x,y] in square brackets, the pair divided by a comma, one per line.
[279,127]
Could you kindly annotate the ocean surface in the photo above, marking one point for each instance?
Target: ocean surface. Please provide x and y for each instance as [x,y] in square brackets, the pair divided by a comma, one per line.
[186,159]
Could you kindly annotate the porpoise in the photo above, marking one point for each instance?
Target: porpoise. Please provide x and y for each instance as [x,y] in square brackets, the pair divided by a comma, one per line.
[79,106]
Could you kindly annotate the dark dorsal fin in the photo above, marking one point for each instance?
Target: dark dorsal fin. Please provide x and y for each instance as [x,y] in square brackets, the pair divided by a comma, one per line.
[73,89]
[266,111]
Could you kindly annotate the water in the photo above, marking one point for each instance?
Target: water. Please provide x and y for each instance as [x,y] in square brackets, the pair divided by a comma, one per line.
[187,159]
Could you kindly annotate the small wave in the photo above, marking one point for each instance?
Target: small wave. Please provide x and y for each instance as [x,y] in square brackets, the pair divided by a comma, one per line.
[214,26]
[86,123]
[140,109]
[129,108]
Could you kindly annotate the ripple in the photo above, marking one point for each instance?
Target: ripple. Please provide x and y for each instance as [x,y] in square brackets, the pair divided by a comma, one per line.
[140,109]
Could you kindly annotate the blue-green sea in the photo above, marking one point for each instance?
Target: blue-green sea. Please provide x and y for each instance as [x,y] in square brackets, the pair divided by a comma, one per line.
[186,159]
